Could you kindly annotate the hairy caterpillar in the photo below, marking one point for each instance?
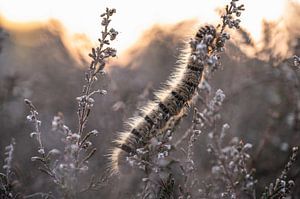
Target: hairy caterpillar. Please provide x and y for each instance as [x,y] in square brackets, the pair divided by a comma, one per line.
[180,89]
[169,102]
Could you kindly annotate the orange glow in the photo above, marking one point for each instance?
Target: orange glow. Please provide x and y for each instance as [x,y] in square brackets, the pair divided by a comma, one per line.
[135,16]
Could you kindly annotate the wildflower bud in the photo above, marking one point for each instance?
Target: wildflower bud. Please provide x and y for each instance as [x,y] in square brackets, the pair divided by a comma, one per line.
[39,122]
[295,149]
[145,179]
[94,132]
[54,152]
[33,134]
[247,146]
[103,92]
[197,132]
[41,151]
[27,101]
[90,100]
[168,146]
[111,11]
[291,183]
[113,34]
[75,136]
[87,144]
[30,118]
[80,99]
[34,158]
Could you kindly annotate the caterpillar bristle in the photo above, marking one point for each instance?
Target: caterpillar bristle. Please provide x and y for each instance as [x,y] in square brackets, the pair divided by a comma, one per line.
[132,122]
[161,94]
[117,159]
[148,107]
[122,137]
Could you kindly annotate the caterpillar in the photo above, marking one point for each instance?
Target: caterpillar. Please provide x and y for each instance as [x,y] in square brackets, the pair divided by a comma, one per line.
[179,91]
[170,101]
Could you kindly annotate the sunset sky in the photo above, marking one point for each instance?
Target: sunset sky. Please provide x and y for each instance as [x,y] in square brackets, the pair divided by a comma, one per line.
[134,16]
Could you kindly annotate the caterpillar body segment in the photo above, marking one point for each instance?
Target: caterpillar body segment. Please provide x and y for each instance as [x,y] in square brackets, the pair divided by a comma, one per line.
[169,103]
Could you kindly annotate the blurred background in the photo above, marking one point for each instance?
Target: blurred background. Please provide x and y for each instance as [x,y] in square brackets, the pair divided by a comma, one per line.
[43,56]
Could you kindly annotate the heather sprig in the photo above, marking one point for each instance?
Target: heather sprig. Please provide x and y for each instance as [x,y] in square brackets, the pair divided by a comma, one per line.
[9,151]
[283,185]
[7,178]
[44,157]
[100,56]
[230,167]
[65,168]
[201,121]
